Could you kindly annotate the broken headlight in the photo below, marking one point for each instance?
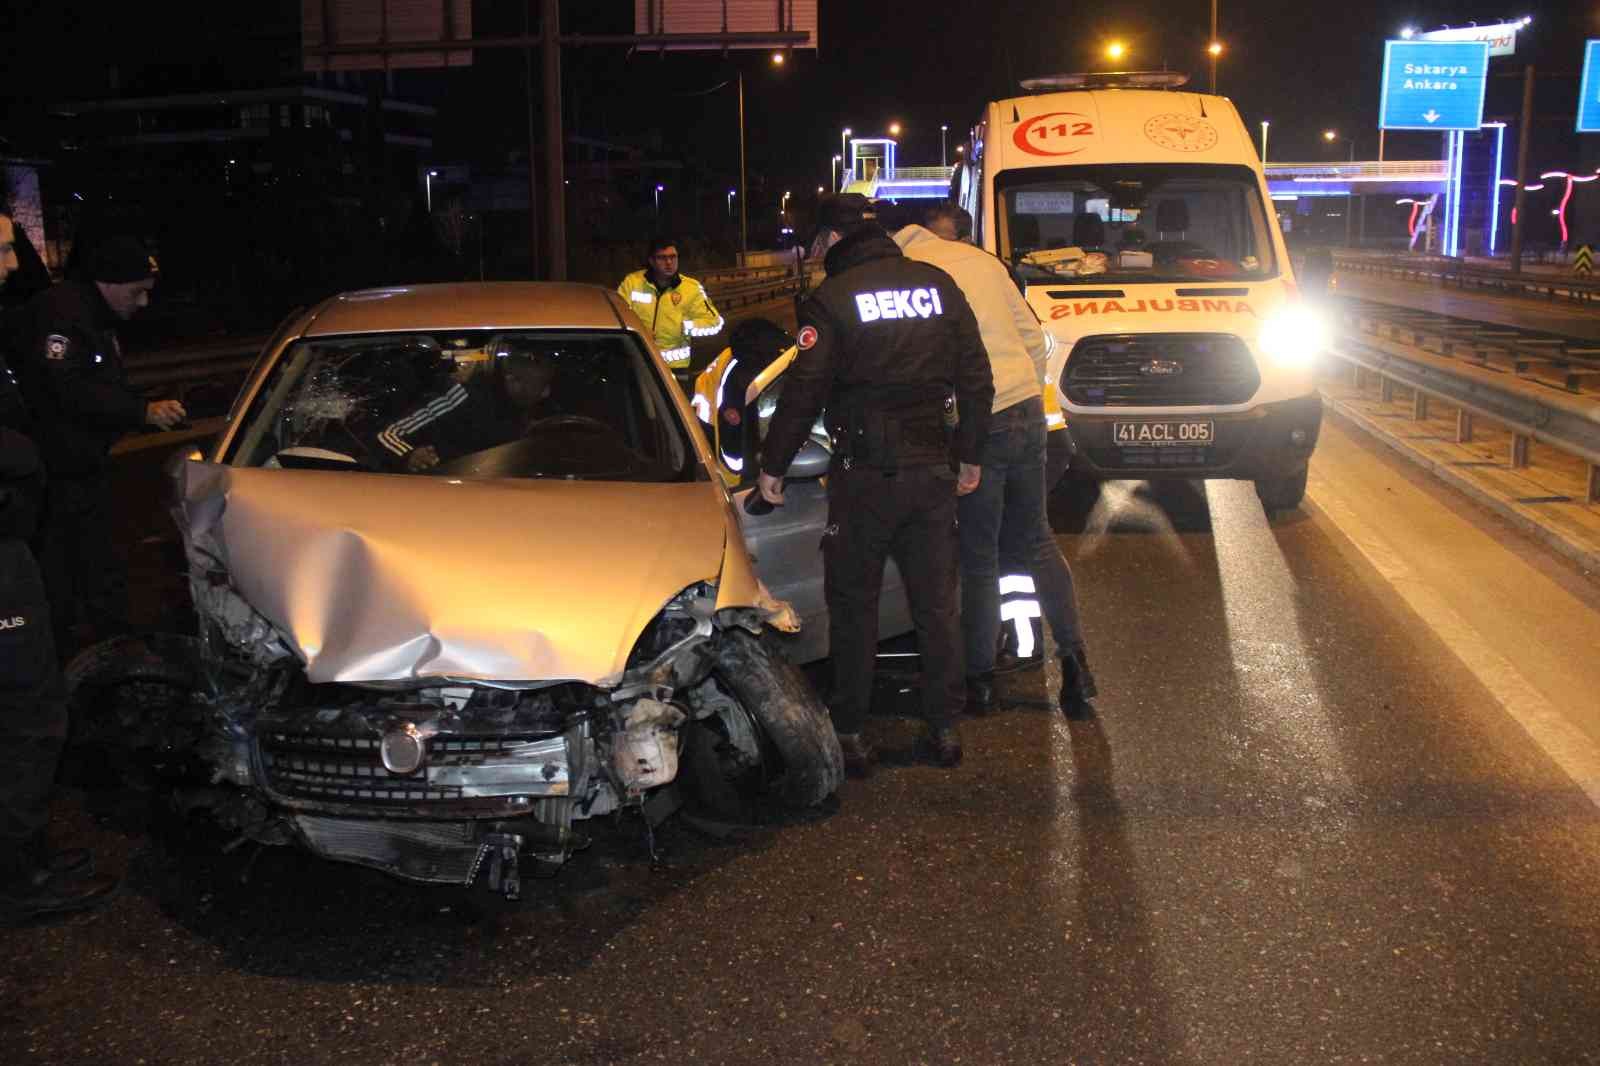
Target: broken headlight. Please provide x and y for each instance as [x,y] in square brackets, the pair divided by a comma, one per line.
[685,615]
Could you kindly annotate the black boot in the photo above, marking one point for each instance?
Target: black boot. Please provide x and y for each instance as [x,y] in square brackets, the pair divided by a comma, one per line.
[980,695]
[1077,686]
[29,890]
[858,754]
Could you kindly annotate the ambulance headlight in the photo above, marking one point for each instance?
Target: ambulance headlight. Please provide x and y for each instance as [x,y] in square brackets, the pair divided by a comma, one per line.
[1294,335]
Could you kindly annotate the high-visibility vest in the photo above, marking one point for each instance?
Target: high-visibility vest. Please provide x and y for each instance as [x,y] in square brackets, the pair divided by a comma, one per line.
[673,315]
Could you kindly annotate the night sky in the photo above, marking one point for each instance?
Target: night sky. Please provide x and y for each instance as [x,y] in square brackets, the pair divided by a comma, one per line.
[1305,67]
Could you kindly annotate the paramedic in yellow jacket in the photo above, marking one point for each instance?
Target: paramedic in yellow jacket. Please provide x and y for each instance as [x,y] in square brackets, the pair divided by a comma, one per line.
[673,307]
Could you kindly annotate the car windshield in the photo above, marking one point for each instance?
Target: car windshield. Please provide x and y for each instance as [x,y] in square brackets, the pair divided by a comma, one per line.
[1135,222]
[584,406]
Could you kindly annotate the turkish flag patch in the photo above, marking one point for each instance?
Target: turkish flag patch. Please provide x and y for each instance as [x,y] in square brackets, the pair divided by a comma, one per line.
[807,338]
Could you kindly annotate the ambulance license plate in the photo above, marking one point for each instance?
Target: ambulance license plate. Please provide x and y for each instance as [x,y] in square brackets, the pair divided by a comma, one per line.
[1145,434]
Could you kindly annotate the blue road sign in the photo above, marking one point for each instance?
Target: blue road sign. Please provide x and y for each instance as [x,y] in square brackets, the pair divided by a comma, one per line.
[1433,85]
[1589,91]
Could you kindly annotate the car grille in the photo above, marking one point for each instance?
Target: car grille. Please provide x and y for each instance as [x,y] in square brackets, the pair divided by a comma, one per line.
[1116,370]
[316,766]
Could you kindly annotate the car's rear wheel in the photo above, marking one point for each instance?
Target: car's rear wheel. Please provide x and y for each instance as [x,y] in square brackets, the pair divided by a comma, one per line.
[768,741]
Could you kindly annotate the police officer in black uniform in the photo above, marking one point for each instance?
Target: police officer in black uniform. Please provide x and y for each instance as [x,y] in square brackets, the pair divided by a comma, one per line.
[884,344]
[72,374]
[33,714]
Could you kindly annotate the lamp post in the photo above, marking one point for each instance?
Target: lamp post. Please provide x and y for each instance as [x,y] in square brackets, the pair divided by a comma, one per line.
[730,204]
[1215,49]
[836,161]
[431,175]
[660,188]
[943,161]
[844,156]
[1264,125]
[894,129]
[783,205]
[1116,50]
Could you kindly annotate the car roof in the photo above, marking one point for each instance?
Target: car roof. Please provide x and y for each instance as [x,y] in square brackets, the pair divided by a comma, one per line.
[471,305]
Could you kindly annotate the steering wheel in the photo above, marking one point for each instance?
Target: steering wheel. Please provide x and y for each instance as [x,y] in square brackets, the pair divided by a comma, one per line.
[594,425]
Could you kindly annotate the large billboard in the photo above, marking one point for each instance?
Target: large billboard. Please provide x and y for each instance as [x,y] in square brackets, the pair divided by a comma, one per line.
[1433,85]
[1501,37]
[710,17]
[339,23]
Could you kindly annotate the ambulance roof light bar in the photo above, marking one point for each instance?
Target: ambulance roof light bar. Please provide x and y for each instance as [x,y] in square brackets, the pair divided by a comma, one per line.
[1116,79]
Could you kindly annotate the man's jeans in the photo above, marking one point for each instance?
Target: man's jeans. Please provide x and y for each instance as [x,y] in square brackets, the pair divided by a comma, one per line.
[1008,510]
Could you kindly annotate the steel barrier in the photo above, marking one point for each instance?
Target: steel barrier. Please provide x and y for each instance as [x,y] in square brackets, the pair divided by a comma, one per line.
[187,371]
[1530,411]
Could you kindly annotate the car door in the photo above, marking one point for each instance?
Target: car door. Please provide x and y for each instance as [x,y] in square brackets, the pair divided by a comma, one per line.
[786,542]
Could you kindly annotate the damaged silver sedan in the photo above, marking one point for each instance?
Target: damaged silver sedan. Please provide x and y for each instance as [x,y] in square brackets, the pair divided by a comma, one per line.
[464,578]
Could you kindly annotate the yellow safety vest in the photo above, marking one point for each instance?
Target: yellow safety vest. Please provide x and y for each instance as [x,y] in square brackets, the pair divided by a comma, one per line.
[673,315]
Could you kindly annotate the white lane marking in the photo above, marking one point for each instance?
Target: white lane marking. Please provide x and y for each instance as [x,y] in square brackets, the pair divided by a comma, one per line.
[1564,743]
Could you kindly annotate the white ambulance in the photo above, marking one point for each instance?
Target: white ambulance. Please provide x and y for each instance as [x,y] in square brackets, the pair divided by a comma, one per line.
[1137,220]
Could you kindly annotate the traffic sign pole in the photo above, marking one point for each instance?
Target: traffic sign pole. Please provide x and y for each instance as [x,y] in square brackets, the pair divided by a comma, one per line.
[1522,170]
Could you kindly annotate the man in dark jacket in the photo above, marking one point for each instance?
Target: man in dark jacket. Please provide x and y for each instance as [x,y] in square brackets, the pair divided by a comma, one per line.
[884,344]
[72,374]
[33,714]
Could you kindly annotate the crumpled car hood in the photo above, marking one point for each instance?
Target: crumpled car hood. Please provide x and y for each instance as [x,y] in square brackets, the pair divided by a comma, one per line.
[373,577]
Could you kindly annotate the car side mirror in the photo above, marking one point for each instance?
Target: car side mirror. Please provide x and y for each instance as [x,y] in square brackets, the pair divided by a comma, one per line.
[811,461]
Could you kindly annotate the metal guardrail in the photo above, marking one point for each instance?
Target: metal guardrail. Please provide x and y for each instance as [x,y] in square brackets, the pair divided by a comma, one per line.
[1552,359]
[1530,410]
[188,372]
[1445,271]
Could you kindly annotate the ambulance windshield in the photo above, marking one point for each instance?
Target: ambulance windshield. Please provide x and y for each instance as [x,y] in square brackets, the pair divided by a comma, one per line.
[1135,222]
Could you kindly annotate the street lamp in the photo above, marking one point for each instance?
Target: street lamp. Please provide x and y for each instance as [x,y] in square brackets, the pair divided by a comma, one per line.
[431,175]
[1264,125]
[844,154]
[1330,136]
[1116,50]
[943,162]
[730,204]
[894,129]
[777,59]
[836,161]
[659,190]
[783,205]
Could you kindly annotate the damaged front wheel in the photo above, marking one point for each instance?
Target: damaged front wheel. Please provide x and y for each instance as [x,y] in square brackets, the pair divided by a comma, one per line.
[761,738]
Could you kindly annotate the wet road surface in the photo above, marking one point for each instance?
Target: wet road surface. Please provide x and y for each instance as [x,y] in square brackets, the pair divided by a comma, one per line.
[1302,828]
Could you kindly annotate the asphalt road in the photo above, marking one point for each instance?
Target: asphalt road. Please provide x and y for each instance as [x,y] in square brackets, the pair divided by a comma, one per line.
[1327,813]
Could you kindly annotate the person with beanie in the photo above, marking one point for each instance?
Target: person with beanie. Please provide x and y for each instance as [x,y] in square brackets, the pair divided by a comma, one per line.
[70,366]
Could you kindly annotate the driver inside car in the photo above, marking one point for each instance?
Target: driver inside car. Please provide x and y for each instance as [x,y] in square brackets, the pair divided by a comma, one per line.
[494,406]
